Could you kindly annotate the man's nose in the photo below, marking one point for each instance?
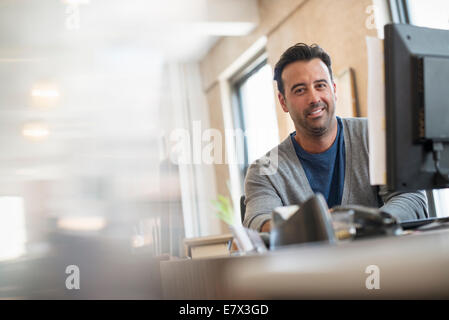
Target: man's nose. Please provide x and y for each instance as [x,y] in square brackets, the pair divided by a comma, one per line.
[314,97]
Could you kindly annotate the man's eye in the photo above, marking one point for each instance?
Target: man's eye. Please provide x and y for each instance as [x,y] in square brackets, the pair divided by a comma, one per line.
[299,91]
[321,85]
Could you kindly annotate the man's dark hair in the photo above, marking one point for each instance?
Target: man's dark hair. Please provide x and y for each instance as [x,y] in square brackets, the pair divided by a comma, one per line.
[299,52]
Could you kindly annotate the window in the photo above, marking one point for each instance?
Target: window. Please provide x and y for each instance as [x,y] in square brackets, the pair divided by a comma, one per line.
[431,14]
[254,113]
[12,228]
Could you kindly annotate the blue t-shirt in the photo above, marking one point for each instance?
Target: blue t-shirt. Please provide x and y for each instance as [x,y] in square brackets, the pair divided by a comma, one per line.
[325,171]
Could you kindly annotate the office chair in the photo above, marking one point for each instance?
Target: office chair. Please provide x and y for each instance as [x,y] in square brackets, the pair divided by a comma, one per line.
[242,207]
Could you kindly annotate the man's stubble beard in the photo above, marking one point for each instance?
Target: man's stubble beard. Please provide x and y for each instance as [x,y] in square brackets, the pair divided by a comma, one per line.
[303,123]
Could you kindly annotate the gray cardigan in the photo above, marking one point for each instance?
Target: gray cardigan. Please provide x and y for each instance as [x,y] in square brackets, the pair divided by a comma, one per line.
[278,179]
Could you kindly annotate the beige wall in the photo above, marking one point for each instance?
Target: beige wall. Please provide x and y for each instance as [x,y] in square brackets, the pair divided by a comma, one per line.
[228,49]
[216,121]
[336,25]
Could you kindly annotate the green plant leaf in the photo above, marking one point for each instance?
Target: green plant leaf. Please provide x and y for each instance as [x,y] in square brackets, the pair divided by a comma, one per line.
[224,209]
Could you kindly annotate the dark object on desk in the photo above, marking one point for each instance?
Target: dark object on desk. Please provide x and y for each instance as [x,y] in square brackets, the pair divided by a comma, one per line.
[371,221]
[414,224]
[310,223]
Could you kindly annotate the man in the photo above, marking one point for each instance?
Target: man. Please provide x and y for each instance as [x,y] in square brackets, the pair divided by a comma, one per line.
[325,154]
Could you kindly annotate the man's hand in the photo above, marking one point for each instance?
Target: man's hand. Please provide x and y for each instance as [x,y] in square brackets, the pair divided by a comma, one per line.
[266,227]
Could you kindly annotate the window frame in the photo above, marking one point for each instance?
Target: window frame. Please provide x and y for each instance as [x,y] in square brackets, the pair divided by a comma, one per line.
[240,77]
[400,11]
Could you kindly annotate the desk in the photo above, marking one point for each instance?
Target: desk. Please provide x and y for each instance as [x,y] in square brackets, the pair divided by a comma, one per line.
[414,266]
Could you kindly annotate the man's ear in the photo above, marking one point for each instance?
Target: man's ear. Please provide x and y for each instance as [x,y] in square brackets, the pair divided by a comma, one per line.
[282,102]
[335,90]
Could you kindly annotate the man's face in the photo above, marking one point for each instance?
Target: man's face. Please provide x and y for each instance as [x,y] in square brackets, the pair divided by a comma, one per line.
[309,96]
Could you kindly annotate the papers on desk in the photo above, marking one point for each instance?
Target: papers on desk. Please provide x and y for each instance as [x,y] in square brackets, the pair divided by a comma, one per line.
[247,240]
[211,246]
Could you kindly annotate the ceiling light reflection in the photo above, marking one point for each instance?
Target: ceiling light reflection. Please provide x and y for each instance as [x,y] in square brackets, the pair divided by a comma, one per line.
[35,131]
[45,93]
[94,223]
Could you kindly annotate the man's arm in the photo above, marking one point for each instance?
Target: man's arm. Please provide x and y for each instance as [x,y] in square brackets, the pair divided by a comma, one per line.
[404,206]
[261,199]
[266,227]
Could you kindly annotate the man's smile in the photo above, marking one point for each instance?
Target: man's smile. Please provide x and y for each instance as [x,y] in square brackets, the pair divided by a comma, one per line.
[316,112]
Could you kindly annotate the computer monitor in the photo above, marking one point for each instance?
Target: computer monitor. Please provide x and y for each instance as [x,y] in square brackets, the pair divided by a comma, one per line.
[417,107]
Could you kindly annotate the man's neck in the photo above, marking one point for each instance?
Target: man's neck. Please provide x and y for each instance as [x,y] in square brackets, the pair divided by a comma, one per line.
[317,144]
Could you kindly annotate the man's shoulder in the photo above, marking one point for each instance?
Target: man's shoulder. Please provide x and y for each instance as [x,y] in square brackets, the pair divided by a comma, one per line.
[356,133]
[355,122]
[277,157]
[356,126]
